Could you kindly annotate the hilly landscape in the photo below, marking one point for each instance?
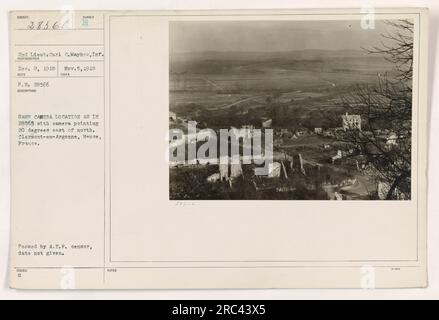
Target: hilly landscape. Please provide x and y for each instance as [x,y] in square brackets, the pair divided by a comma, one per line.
[244,86]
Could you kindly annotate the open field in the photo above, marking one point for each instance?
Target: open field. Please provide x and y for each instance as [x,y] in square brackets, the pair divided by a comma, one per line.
[217,80]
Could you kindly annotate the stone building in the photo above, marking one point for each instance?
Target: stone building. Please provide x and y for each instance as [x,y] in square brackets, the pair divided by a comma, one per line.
[351,122]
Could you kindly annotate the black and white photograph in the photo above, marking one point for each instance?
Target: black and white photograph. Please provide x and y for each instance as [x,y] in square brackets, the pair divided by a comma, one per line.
[324,106]
[213,151]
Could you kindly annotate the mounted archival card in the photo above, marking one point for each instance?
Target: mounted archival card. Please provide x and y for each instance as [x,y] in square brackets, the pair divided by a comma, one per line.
[219,149]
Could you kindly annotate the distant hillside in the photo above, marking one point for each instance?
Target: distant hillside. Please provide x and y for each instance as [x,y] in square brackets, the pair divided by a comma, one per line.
[249,56]
[239,63]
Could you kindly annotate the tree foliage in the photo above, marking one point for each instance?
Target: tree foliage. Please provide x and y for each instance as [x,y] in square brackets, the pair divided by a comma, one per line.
[388,105]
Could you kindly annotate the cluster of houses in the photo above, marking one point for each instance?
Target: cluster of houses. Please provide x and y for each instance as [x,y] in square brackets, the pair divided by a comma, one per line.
[349,122]
[284,165]
[281,168]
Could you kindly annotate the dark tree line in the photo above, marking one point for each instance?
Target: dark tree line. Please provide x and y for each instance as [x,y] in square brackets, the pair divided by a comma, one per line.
[388,105]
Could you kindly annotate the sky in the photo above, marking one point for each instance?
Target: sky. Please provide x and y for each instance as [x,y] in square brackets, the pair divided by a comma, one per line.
[272,36]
